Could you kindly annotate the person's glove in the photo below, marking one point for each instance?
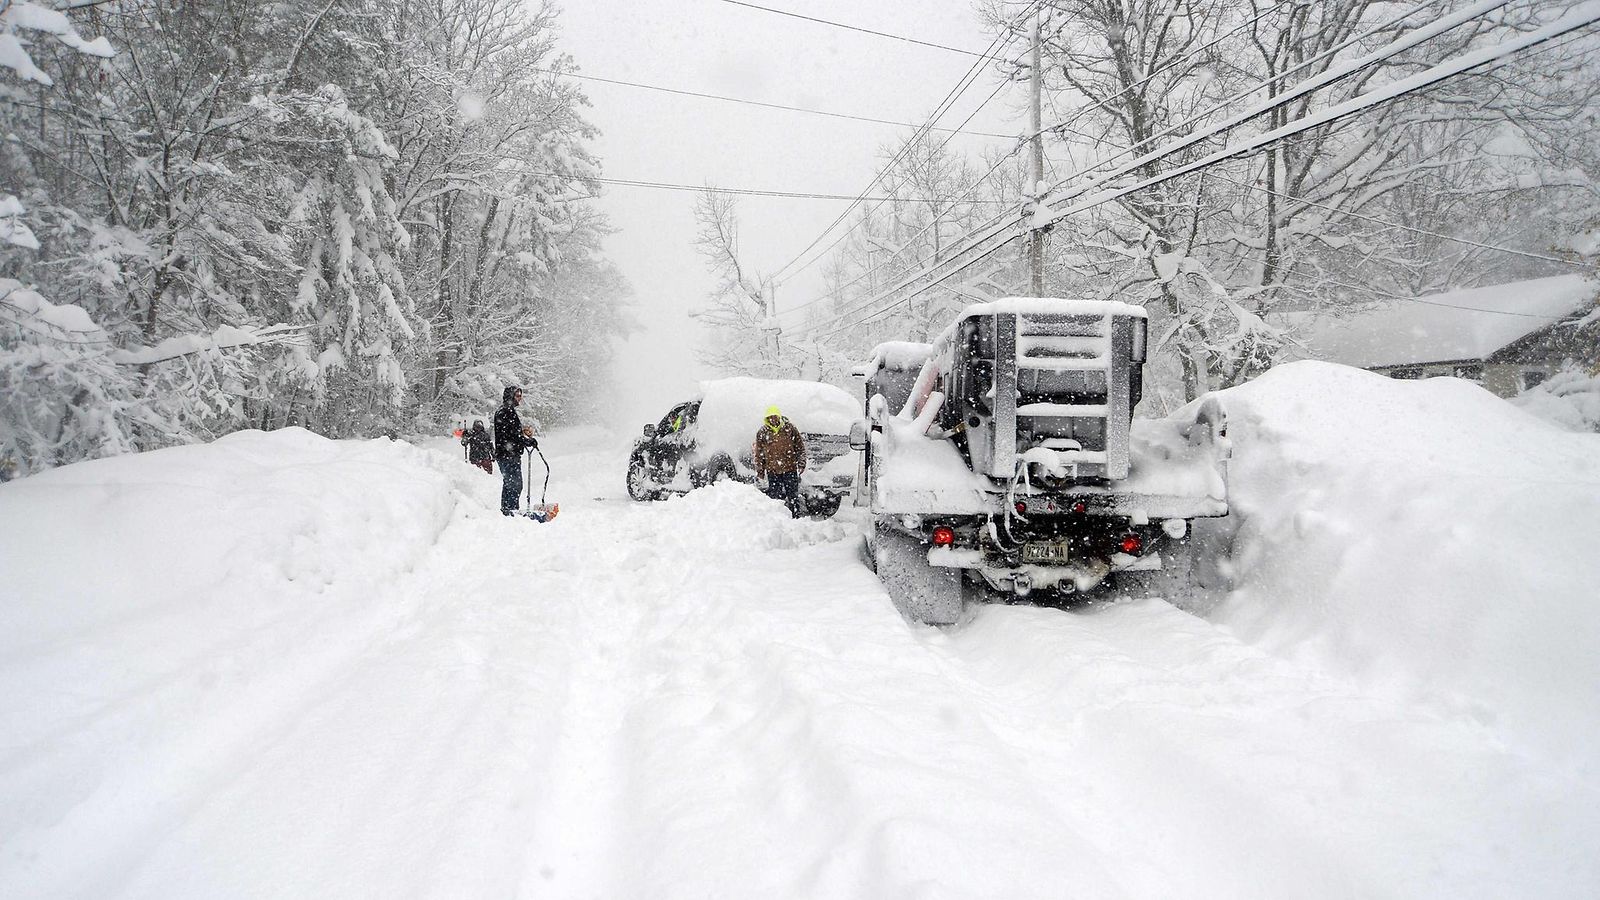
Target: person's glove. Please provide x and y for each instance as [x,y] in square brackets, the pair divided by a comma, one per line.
[532,442]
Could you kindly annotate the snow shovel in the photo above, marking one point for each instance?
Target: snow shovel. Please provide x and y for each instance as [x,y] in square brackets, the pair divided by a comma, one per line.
[542,511]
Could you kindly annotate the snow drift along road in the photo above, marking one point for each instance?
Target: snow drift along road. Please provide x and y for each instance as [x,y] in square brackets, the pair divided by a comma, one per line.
[1428,537]
[279,666]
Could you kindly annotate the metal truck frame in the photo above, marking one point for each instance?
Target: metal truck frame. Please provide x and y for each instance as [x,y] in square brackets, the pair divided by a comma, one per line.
[1010,462]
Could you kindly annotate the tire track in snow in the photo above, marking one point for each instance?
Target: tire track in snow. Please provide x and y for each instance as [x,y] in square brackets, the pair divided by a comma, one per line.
[410,762]
[583,793]
[122,808]
[793,696]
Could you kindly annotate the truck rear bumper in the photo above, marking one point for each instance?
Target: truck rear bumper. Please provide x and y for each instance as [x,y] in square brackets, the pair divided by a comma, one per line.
[1073,576]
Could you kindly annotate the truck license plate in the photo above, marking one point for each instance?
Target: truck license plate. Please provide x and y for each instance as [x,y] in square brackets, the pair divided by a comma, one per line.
[1044,552]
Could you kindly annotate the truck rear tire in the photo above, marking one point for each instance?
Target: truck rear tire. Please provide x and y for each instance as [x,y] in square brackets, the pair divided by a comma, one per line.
[931,595]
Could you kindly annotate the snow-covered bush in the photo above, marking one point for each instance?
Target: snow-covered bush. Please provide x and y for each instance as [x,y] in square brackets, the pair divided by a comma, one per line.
[1570,398]
[18,18]
[62,396]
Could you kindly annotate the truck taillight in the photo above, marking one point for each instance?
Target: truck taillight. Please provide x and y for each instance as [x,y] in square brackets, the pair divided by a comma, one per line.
[943,536]
[1022,508]
[1132,545]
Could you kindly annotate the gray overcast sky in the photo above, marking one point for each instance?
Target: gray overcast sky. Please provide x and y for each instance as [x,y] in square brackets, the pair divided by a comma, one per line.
[716,47]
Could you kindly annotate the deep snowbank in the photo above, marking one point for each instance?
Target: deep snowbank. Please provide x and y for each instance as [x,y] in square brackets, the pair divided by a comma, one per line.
[210,583]
[1427,537]
[282,513]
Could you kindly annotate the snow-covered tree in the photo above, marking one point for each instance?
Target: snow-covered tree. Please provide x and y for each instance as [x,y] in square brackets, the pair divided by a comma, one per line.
[1213,254]
[1406,198]
[744,336]
[340,212]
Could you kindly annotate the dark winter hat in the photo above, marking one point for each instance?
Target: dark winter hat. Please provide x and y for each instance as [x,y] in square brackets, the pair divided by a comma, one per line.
[511,392]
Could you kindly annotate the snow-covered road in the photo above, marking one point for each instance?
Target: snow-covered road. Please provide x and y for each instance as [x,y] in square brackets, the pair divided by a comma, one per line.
[703,698]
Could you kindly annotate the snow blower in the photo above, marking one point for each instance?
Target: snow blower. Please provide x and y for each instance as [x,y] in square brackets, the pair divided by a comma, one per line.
[542,511]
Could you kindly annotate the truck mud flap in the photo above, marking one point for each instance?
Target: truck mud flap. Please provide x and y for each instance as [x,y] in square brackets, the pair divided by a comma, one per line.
[932,595]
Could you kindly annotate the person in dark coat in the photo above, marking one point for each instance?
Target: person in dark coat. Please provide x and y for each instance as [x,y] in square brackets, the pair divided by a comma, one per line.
[779,455]
[480,447]
[511,437]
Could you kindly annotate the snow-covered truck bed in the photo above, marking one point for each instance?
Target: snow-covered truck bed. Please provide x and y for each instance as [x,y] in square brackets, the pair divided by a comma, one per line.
[1012,460]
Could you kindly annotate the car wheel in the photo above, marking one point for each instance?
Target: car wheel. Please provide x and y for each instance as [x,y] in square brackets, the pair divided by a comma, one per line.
[823,506]
[639,486]
[721,469]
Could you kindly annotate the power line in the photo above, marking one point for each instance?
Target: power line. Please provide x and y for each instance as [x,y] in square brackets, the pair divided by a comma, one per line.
[1062,125]
[672,186]
[798,109]
[1384,94]
[882,34]
[871,269]
[880,201]
[1439,26]
[949,100]
[1146,79]
[944,106]
[625,182]
[1057,127]
[884,310]
[1317,82]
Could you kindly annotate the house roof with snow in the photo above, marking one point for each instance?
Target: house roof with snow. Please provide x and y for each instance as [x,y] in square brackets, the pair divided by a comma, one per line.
[1462,325]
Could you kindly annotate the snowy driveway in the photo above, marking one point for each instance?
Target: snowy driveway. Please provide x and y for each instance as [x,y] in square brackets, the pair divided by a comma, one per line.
[701,698]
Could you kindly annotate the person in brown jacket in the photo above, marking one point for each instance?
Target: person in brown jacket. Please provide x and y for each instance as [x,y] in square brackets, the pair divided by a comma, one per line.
[780,457]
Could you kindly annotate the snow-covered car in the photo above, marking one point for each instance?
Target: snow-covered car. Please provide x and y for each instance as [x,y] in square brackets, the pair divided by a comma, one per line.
[710,437]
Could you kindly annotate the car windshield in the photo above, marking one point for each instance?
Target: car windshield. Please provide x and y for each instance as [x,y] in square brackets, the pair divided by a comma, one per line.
[679,419]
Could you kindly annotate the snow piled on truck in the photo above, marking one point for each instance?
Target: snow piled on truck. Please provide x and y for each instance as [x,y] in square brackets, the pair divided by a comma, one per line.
[1427,537]
[923,474]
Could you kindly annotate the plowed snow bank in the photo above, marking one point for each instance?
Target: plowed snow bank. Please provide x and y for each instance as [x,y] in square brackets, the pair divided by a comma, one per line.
[279,513]
[1426,536]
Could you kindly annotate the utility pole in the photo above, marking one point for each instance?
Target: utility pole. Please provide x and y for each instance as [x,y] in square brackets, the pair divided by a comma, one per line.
[1036,170]
[769,303]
